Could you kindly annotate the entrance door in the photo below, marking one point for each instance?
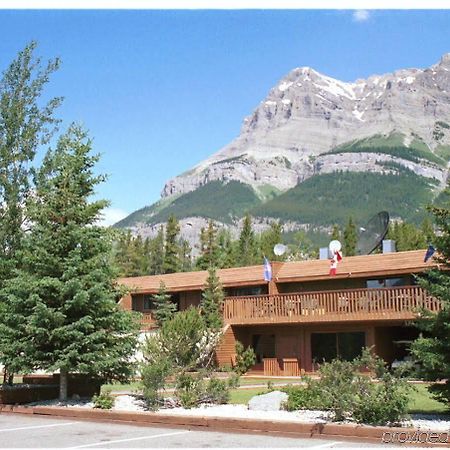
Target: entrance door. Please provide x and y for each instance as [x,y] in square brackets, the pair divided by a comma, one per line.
[288,346]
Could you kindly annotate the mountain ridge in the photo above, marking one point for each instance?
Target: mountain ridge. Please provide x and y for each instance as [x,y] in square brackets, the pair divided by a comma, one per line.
[310,125]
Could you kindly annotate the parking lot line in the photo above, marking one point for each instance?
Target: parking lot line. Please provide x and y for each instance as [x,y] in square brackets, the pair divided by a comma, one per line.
[37,426]
[152,436]
[328,444]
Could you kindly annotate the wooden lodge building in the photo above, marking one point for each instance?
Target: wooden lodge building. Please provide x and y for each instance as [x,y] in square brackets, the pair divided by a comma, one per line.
[304,315]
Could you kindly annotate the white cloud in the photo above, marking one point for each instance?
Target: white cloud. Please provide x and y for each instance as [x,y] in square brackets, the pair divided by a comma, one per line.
[361,15]
[110,216]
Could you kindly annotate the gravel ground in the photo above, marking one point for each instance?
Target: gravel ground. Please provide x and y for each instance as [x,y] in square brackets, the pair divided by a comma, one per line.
[432,422]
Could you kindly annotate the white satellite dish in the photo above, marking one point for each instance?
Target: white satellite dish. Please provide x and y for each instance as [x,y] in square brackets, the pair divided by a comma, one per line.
[279,249]
[334,246]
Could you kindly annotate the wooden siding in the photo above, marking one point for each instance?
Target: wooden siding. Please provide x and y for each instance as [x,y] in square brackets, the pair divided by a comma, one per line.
[226,352]
[399,303]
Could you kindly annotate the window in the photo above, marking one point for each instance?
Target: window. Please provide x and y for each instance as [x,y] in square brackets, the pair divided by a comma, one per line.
[148,302]
[248,290]
[328,346]
[386,282]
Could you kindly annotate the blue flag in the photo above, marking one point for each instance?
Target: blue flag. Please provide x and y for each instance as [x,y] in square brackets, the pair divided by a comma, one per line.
[267,270]
[429,253]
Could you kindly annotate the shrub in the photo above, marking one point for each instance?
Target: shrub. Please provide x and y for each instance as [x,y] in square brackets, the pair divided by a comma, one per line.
[245,358]
[189,389]
[217,391]
[194,389]
[304,397]
[347,394]
[104,400]
[153,380]
[383,403]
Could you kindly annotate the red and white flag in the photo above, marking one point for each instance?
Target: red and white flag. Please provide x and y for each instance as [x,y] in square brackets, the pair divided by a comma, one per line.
[333,267]
[333,263]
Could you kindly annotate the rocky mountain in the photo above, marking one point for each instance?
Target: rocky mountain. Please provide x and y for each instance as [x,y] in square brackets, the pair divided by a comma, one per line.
[309,126]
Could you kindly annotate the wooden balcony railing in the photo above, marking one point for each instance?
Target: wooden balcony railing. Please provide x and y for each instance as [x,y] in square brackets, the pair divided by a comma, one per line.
[147,321]
[329,306]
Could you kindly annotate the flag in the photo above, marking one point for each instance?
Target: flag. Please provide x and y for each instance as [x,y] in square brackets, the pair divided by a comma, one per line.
[334,262]
[429,253]
[333,267]
[267,270]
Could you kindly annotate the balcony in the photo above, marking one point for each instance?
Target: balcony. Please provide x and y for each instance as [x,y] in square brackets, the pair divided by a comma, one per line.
[400,303]
[147,321]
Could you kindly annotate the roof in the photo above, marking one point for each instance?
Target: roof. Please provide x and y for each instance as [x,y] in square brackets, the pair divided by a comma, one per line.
[383,264]
[350,267]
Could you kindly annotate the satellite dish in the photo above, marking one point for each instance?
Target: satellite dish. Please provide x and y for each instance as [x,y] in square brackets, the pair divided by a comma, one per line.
[334,246]
[279,249]
[372,234]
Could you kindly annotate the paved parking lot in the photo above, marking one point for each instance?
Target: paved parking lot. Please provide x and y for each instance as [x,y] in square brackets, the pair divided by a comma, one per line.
[21,431]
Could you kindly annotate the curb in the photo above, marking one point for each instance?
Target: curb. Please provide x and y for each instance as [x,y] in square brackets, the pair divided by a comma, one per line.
[226,424]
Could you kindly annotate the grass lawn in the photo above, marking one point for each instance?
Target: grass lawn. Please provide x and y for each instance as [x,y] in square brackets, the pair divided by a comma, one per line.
[422,402]
[114,387]
[263,381]
[260,381]
[242,396]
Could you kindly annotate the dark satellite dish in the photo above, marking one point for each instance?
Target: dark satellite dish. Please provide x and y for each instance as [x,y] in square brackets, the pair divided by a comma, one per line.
[371,235]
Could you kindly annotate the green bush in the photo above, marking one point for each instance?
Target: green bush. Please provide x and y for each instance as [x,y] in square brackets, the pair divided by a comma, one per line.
[153,380]
[104,400]
[188,389]
[382,403]
[245,358]
[217,391]
[305,397]
[193,389]
[348,394]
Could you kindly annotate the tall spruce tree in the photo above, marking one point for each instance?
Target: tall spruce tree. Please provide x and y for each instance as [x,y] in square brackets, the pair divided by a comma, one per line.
[62,311]
[171,262]
[212,300]
[164,307]
[247,247]
[209,247]
[26,122]
[336,233]
[433,348]
[156,262]
[350,238]
[269,239]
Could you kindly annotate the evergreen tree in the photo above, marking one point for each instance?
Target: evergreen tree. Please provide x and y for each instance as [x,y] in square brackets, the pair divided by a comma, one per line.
[303,249]
[407,236]
[227,250]
[209,247]
[336,233]
[350,238]
[269,239]
[171,262]
[247,248]
[61,306]
[427,230]
[184,255]
[25,124]
[156,262]
[212,300]
[433,349]
[164,307]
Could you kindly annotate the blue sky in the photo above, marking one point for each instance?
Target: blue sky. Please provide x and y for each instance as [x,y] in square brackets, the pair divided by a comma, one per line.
[161,90]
